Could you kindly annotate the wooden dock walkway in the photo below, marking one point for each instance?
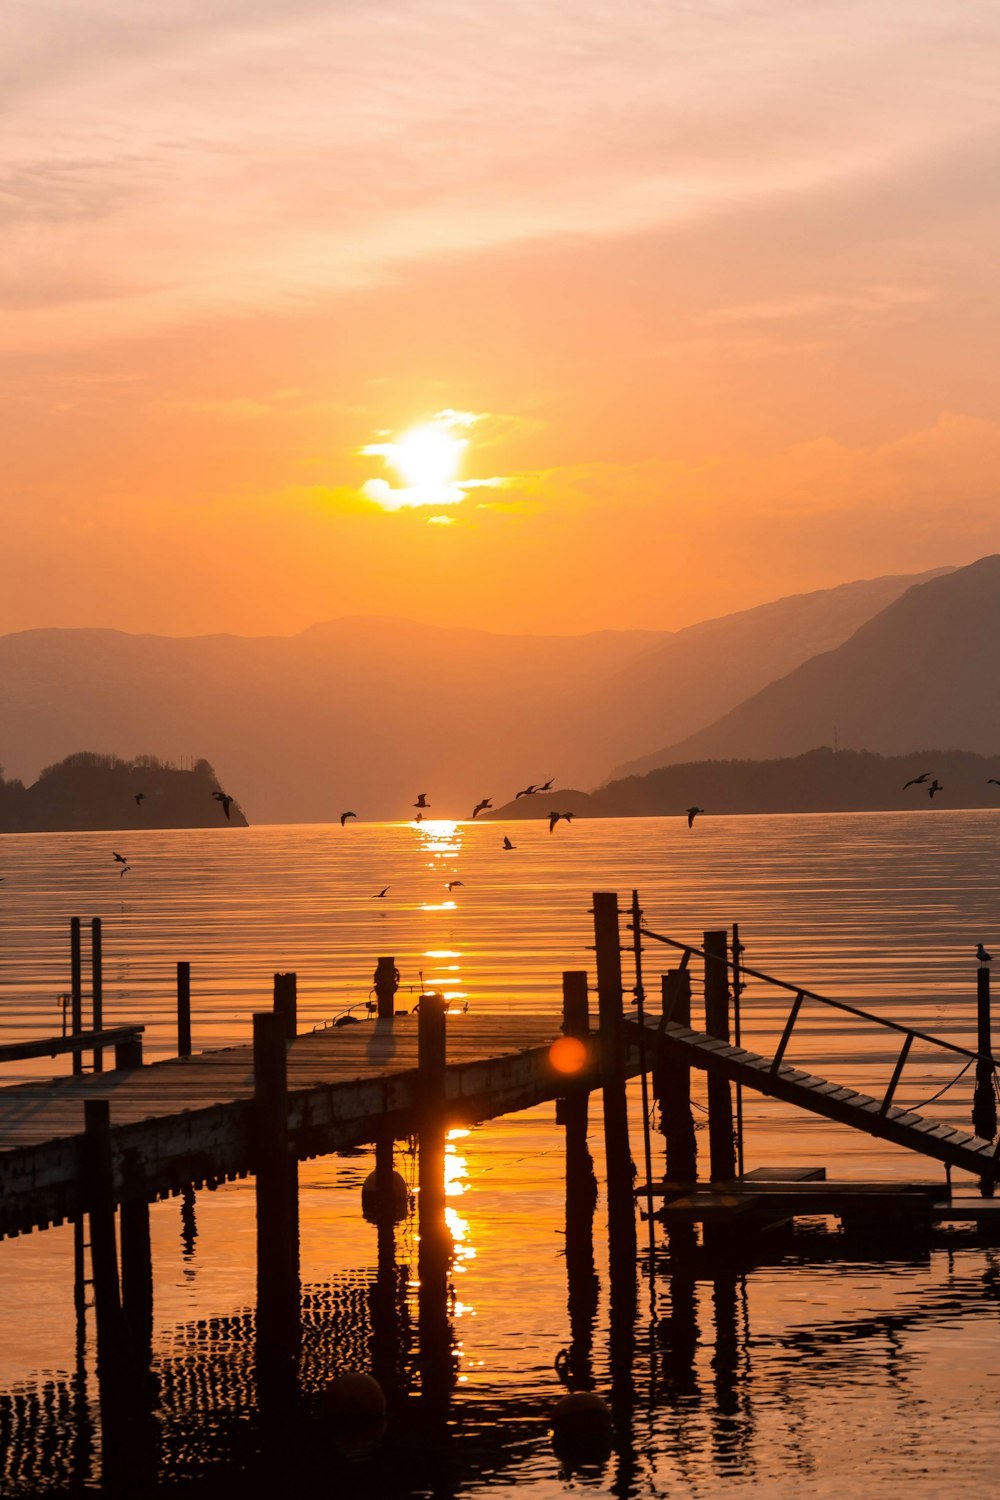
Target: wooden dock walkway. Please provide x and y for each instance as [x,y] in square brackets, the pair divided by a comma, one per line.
[187,1121]
[880,1118]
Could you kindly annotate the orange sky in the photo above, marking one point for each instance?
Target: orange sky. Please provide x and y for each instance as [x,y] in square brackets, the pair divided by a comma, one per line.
[714,284]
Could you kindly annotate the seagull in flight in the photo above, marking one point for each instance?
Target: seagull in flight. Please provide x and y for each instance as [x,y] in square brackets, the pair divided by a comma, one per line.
[140,798]
[452,884]
[692,813]
[481,806]
[124,871]
[120,858]
[529,791]
[935,786]
[225,802]
[422,800]
[983,956]
[344,817]
[507,843]
[554,818]
[379,894]
[917,780]
[993,781]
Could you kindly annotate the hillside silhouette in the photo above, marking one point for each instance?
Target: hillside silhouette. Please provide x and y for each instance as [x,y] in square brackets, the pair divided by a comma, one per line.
[91,791]
[364,712]
[822,780]
[922,672]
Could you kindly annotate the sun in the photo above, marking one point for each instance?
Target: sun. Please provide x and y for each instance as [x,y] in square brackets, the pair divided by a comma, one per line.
[427,458]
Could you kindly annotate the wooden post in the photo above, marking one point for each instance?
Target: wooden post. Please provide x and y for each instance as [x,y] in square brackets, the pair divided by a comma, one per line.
[104,1262]
[435,1241]
[183,1009]
[722,1156]
[984,1105]
[137,1267]
[75,988]
[581,1199]
[278,1327]
[672,1086]
[97,987]
[738,1039]
[128,1054]
[386,985]
[286,1003]
[620,1173]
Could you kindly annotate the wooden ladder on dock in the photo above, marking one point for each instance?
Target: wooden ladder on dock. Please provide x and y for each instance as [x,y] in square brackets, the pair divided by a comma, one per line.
[772,1076]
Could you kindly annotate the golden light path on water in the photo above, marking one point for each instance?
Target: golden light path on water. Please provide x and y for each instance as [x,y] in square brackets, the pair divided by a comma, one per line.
[847,1376]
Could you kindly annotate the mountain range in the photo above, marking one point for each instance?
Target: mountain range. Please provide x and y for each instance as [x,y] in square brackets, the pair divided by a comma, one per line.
[365,713]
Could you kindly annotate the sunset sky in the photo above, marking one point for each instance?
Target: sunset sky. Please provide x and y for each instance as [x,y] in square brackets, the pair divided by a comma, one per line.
[535,317]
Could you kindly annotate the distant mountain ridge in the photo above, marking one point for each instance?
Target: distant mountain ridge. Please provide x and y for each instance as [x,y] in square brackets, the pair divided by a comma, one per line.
[363,713]
[921,672]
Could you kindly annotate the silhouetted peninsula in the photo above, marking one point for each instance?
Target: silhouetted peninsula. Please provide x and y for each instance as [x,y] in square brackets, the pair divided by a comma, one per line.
[89,791]
[822,780]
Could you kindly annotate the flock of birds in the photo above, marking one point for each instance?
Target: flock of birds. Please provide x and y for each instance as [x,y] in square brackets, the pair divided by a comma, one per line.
[222,798]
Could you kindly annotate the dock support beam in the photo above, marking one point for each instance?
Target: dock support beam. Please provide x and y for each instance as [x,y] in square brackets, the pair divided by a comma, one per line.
[581,1199]
[286,1003]
[183,1009]
[112,1382]
[97,988]
[621,1202]
[436,1369]
[386,984]
[984,1105]
[76,988]
[672,1086]
[722,1155]
[278,1327]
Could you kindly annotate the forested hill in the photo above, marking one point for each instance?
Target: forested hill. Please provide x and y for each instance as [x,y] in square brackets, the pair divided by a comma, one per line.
[88,791]
[821,780]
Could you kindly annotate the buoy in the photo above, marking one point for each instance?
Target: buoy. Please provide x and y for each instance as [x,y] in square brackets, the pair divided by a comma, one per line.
[354,1404]
[400,1196]
[582,1428]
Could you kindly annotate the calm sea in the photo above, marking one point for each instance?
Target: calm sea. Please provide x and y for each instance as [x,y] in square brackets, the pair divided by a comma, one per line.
[817,1374]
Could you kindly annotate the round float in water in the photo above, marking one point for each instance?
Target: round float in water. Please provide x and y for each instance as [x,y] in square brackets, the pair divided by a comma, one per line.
[582,1428]
[354,1404]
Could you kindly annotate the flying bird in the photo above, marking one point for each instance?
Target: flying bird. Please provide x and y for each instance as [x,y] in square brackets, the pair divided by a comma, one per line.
[344,817]
[123,871]
[225,801]
[452,884]
[554,818]
[529,791]
[547,785]
[379,894]
[422,800]
[692,813]
[120,858]
[935,786]
[507,843]
[140,797]
[917,780]
[480,806]
[993,781]
[983,956]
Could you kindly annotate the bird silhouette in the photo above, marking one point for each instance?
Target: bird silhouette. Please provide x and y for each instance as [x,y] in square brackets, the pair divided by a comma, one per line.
[983,956]
[546,786]
[993,781]
[379,894]
[140,797]
[452,884]
[554,818]
[935,786]
[422,800]
[692,813]
[529,791]
[344,817]
[481,806]
[225,802]
[120,858]
[123,871]
[917,780]
[507,843]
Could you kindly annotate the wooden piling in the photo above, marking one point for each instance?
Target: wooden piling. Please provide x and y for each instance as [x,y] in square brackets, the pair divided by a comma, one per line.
[721,1152]
[436,1372]
[984,1104]
[278,1325]
[137,1267]
[97,988]
[75,988]
[183,1009]
[618,1155]
[581,1198]
[386,983]
[672,1086]
[104,1262]
[286,1003]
